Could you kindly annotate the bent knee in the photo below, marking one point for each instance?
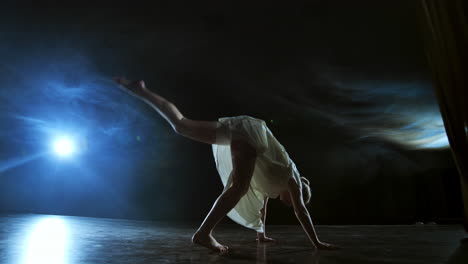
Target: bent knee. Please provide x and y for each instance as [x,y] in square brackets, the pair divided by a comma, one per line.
[181,127]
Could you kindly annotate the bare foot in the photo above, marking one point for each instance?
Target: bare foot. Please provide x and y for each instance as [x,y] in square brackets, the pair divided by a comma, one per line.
[264,239]
[326,246]
[136,88]
[209,242]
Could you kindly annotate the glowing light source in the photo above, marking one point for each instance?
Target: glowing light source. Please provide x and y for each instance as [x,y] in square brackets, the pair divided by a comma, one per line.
[47,242]
[63,146]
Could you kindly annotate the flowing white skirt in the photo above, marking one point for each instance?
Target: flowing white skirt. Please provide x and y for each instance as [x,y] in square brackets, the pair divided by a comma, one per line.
[273,167]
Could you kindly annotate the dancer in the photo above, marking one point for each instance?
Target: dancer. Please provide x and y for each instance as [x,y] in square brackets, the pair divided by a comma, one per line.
[253,166]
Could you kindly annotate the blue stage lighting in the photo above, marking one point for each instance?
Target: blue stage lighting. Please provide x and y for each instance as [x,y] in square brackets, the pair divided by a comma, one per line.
[63,146]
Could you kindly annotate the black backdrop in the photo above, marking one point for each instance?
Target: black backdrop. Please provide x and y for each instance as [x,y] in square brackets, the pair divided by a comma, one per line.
[280,62]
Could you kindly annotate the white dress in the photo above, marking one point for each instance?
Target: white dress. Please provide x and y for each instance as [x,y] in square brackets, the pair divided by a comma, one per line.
[273,167]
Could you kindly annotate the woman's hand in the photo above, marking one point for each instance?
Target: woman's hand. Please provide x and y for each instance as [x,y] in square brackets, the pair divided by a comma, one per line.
[136,88]
[326,246]
[262,238]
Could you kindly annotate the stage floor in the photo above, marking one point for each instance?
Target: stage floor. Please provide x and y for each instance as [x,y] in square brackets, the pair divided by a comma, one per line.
[48,239]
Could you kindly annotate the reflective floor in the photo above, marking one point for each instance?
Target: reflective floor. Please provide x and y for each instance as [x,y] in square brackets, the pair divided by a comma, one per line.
[50,239]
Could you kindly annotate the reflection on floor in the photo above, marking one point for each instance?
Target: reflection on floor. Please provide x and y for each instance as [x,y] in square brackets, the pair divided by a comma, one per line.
[42,239]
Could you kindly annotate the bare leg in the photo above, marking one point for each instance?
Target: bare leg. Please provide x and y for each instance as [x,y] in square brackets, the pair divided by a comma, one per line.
[243,160]
[202,131]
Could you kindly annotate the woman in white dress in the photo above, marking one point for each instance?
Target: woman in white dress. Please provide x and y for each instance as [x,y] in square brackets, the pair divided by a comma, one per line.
[252,164]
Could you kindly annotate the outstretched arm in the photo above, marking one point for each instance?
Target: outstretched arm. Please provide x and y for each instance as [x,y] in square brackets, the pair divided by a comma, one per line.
[303,215]
[261,237]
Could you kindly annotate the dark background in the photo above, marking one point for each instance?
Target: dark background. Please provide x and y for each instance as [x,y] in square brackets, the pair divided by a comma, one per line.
[342,84]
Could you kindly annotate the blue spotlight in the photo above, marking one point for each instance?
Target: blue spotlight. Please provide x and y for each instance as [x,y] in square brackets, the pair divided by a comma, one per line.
[63,146]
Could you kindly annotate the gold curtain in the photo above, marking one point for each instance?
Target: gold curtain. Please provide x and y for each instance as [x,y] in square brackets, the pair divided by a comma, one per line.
[445,28]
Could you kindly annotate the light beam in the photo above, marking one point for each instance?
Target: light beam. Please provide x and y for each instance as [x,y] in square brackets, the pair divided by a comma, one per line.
[63,146]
